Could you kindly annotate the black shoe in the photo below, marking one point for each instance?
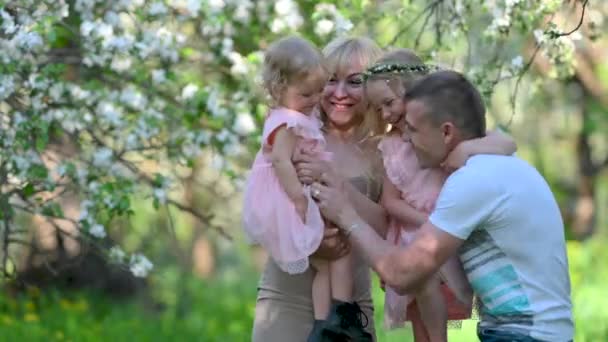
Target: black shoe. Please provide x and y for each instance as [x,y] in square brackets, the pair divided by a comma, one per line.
[346,322]
[348,335]
[315,335]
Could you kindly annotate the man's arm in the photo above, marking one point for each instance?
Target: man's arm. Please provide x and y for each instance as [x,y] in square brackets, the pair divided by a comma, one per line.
[466,201]
[402,268]
[373,213]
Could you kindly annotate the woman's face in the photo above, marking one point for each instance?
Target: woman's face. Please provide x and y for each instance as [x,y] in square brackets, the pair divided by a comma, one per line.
[343,99]
[388,101]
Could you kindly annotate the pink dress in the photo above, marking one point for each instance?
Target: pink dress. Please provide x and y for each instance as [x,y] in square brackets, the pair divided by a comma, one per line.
[420,188]
[270,218]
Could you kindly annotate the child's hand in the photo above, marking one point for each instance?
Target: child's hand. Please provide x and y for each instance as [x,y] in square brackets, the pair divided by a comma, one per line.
[457,158]
[309,167]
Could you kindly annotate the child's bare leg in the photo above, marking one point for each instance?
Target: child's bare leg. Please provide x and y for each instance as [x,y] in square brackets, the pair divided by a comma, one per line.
[321,290]
[341,278]
[433,310]
[418,328]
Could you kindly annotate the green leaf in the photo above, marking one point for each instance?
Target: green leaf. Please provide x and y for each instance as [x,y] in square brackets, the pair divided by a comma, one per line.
[53,210]
[28,190]
[38,172]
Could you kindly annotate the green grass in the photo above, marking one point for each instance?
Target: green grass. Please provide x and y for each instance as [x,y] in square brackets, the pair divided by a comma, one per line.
[222,310]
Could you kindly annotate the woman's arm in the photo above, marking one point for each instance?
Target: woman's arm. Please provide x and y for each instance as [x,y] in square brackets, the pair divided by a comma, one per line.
[397,208]
[495,142]
[282,150]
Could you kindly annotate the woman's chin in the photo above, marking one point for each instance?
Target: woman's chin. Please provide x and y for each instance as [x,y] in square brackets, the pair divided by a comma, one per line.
[341,119]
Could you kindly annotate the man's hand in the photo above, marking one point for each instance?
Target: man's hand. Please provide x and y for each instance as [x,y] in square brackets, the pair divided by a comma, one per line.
[332,197]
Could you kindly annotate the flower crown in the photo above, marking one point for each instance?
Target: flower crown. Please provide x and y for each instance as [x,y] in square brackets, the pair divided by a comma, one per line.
[394,68]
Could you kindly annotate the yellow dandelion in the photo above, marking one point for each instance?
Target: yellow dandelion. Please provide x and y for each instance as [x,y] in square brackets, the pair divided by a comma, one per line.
[6,320]
[65,304]
[31,317]
[30,306]
[33,291]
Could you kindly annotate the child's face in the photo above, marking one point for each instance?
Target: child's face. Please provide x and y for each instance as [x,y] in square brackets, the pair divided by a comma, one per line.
[303,94]
[388,101]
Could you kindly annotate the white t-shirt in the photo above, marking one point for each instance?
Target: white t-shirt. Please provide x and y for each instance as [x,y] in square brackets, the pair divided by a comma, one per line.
[515,251]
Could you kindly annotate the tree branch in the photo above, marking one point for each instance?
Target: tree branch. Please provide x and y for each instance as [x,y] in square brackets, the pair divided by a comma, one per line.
[580,23]
[411,24]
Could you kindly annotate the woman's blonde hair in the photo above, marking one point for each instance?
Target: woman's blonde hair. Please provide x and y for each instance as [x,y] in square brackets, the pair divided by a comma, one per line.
[287,60]
[340,54]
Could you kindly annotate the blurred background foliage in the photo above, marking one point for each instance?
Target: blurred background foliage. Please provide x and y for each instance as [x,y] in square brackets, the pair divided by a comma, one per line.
[203,286]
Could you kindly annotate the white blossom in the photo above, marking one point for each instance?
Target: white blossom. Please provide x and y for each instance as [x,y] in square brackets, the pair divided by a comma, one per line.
[244,124]
[103,157]
[324,27]
[159,76]
[239,64]
[8,23]
[157,8]
[121,63]
[98,231]
[160,195]
[193,6]
[109,113]
[7,86]
[28,40]
[242,13]
[140,266]
[116,254]
[517,62]
[85,206]
[217,5]
[539,35]
[189,91]
[133,98]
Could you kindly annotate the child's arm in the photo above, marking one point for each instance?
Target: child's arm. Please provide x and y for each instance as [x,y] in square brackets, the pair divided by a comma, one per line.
[397,207]
[495,142]
[282,150]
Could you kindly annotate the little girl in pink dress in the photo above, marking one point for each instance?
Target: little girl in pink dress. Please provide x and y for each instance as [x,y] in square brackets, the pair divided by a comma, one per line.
[409,195]
[279,213]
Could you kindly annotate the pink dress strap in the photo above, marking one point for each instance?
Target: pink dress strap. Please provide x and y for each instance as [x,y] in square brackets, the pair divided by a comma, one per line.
[304,126]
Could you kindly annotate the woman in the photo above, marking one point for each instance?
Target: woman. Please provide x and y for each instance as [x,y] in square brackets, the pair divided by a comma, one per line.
[284,307]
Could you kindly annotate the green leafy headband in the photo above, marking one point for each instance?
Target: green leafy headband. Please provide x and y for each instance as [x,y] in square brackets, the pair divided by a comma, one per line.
[398,69]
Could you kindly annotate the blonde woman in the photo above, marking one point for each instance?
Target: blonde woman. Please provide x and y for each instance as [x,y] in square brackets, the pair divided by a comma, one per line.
[284,308]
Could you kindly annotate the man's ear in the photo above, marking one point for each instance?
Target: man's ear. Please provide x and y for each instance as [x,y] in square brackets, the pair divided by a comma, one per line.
[448,131]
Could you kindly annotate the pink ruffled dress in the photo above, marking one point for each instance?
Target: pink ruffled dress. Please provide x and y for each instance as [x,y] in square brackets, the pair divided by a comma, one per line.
[420,188]
[270,218]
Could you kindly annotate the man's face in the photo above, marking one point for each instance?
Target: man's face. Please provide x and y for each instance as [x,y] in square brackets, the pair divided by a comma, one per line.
[431,142]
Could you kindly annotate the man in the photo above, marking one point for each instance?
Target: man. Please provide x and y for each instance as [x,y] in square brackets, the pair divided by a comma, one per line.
[497,212]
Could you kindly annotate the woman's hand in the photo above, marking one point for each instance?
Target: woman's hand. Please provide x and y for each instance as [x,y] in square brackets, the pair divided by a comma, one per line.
[309,167]
[334,244]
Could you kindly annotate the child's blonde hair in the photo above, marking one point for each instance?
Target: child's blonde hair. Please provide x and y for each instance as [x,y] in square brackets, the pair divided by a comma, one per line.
[399,67]
[286,60]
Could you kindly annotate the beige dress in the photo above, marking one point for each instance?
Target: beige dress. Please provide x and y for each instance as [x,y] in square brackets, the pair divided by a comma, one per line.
[284,309]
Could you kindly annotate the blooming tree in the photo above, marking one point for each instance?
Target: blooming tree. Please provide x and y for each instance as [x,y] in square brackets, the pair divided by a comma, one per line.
[113,101]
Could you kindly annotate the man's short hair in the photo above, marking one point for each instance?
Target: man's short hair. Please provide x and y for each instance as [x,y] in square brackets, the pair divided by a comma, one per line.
[451,97]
